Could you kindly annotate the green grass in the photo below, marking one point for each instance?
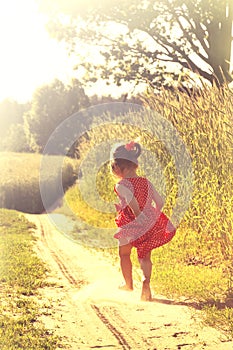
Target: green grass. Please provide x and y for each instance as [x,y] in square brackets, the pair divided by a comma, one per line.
[21,274]
[175,276]
[205,286]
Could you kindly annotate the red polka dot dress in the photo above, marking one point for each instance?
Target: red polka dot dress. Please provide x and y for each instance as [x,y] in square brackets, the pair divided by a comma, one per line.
[150,230]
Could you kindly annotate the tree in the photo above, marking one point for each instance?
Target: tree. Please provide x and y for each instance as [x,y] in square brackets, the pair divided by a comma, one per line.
[51,105]
[156,40]
[12,137]
[11,113]
[15,139]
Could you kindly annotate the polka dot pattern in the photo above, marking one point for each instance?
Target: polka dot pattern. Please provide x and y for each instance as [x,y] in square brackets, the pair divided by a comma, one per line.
[156,229]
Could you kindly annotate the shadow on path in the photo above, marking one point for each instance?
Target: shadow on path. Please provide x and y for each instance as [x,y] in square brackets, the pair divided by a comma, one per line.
[190,303]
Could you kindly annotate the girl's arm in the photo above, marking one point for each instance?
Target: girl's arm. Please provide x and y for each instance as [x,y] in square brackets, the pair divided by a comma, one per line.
[157,198]
[130,199]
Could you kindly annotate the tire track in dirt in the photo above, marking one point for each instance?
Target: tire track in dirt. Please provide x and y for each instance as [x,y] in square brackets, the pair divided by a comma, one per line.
[112,329]
[45,229]
[119,327]
[89,314]
[91,311]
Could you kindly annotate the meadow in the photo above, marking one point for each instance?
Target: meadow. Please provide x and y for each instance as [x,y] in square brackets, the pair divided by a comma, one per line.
[197,264]
[24,174]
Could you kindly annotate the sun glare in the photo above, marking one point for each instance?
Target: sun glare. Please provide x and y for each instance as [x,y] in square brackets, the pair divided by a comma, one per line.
[29,57]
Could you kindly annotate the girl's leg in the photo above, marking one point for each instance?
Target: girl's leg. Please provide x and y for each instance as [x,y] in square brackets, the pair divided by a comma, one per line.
[146,266]
[126,265]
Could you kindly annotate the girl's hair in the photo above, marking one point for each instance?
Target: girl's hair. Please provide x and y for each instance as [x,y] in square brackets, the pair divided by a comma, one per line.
[127,155]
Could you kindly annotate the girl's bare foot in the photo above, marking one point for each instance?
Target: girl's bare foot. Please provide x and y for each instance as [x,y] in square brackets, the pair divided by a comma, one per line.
[146,292]
[125,287]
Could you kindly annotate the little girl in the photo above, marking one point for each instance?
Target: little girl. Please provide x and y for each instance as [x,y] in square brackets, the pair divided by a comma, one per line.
[140,224]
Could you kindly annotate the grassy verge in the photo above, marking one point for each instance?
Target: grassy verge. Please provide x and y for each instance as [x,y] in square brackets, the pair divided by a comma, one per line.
[202,282]
[21,273]
[184,268]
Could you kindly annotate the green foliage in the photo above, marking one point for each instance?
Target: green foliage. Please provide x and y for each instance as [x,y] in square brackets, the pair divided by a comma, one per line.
[21,273]
[221,319]
[11,113]
[12,133]
[15,139]
[51,105]
[21,175]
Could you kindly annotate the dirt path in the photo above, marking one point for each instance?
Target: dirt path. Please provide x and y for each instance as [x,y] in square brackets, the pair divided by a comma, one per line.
[89,312]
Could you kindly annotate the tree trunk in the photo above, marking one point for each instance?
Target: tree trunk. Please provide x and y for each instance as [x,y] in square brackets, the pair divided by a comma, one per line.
[220,39]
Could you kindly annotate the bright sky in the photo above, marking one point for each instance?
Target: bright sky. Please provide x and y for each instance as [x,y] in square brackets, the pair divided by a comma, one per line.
[29,57]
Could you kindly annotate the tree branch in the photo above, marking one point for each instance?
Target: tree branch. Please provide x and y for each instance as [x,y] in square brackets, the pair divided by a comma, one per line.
[189,37]
[191,65]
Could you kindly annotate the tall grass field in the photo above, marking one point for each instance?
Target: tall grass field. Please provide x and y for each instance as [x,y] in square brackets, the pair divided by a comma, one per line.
[20,177]
[197,263]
